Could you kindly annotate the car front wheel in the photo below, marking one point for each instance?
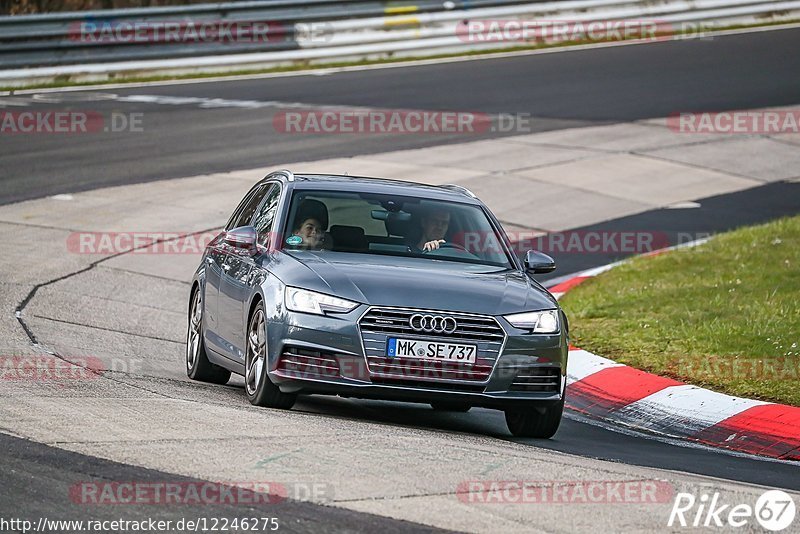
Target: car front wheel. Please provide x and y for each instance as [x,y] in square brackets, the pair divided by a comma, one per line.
[258,387]
[535,422]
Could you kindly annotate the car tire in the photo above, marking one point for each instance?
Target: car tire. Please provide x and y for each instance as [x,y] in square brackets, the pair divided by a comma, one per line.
[258,387]
[447,406]
[197,365]
[534,422]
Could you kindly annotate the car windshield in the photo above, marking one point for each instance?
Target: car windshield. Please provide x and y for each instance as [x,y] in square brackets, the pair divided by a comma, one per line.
[391,225]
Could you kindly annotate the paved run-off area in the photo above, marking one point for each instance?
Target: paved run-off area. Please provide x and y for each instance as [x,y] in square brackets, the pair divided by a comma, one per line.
[129,313]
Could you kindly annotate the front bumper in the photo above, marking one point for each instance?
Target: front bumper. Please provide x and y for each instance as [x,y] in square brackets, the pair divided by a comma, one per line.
[326,355]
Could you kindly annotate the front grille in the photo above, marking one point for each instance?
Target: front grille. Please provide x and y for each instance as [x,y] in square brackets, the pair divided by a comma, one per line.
[380,324]
[301,363]
[544,379]
[396,321]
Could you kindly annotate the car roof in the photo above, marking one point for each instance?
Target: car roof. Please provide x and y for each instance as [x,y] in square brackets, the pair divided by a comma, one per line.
[338,182]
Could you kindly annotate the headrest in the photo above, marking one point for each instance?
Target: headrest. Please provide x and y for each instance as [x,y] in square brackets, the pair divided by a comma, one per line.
[347,233]
[311,209]
[348,238]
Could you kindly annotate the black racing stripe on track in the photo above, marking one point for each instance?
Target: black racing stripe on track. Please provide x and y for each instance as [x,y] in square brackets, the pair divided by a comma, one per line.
[716,214]
[35,482]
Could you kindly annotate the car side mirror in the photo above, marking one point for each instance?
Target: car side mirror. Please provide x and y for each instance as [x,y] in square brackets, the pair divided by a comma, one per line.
[539,262]
[243,238]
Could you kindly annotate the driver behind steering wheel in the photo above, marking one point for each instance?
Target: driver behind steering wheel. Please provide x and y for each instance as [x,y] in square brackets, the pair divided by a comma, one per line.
[434,225]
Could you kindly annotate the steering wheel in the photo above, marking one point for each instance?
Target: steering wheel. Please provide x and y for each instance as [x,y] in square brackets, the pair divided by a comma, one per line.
[455,246]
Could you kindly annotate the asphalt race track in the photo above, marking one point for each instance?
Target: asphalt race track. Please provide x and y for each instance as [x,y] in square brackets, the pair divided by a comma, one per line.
[559,91]
[36,473]
[217,132]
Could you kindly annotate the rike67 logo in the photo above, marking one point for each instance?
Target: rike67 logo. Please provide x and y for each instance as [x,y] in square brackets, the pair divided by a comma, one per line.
[774,511]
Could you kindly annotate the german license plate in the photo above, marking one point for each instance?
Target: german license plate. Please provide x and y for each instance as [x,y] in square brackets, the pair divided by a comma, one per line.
[431,350]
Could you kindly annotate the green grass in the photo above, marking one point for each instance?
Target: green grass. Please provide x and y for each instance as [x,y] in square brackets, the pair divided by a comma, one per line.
[724,315]
[304,65]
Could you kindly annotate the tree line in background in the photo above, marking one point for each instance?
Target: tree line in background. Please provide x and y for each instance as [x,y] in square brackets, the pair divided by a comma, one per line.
[21,7]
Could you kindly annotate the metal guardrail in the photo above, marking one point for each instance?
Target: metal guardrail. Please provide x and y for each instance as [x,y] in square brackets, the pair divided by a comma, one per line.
[97,44]
[61,39]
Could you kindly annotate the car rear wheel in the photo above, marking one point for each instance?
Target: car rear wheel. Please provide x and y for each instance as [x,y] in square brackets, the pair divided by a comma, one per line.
[197,365]
[450,406]
[535,422]
[258,387]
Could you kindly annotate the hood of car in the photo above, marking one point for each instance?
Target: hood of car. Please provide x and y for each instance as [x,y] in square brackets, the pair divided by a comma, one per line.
[414,282]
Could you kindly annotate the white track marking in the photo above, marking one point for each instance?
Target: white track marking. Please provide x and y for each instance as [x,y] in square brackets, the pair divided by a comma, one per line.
[582,364]
[683,410]
[14,102]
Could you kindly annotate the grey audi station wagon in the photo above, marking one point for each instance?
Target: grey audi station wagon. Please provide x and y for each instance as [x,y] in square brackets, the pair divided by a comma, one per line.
[382,289]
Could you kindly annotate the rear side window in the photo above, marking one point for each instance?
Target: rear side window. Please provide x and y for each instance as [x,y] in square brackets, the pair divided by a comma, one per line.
[244,213]
[265,217]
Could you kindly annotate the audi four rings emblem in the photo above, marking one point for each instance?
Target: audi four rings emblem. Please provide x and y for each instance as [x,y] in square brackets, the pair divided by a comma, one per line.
[438,324]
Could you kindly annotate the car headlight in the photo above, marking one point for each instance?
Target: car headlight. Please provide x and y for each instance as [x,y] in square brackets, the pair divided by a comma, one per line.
[303,300]
[541,322]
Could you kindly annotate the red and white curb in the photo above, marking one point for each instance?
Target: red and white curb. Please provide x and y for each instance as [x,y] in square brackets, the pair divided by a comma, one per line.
[603,389]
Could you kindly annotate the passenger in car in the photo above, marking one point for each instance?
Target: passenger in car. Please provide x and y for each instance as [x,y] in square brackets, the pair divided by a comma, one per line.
[310,230]
[311,223]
